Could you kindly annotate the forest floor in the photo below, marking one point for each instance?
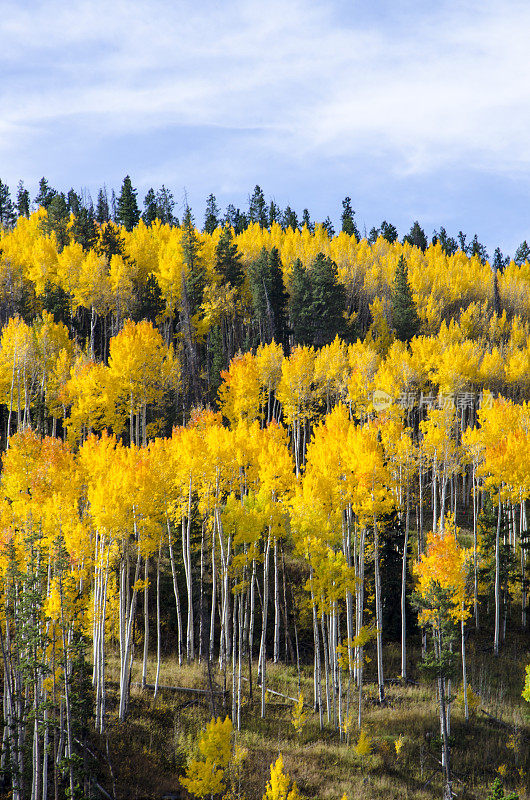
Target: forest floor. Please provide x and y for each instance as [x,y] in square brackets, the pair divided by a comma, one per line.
[144,757]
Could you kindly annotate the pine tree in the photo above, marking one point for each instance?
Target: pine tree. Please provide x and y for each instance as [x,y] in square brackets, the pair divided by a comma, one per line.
[347,219]
[404,315]
[465,248]
[328,227]
[195,276]
[373,235]
[45,194]
[57,218]
[111,242]
[300,305]
[150,207]
[416,237]
[165,204]
[269,298]
[388,231]
[274,213]
[228,259]
[7,209]
[306,220]
[497,792]
[23,201]
[83,228]
[289,219]
[522,253]
[257,208]
[211,216]
[328,301]
[476,248]
[102,206]
[73,202]
[499,260]
[447,243]
[127,213]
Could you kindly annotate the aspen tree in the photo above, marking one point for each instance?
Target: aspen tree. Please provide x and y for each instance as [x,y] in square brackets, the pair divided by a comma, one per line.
[441,576]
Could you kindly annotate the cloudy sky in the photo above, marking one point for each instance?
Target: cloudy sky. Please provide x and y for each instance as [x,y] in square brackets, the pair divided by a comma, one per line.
[416,110]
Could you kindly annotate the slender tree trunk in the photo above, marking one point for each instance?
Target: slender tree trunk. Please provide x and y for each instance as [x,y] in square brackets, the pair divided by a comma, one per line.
[496,637]
[404,594]
[175,592]
[146,622]
[158,632]
[263,648]
[379,616]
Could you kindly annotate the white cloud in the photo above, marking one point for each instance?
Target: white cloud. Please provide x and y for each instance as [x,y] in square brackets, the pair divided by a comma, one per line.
[445,85]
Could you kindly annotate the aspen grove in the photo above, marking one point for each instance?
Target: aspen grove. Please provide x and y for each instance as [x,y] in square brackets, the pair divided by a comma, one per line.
[166,414]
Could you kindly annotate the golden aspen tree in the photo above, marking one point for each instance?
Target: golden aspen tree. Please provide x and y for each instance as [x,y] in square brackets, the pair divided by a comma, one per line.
[296,394]
[279,786]
[206,774]
[240,392]
[141,367]
[441,592]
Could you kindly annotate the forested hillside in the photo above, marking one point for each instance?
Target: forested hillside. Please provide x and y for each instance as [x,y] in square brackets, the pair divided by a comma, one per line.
[281,470]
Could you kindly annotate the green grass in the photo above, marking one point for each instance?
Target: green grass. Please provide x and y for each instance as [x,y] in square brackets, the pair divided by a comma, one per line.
[149,752]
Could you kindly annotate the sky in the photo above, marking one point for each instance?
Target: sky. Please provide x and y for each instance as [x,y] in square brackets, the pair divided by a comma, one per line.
[416,110]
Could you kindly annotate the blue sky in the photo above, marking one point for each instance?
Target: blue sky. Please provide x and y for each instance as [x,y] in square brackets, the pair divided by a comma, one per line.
[416,111]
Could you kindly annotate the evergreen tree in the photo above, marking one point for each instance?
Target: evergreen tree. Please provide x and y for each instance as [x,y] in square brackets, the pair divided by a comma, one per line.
[102,206]
[499,260]
[269,298]
[83,229]
[23,201]
[211,217]
[328,227]
[7,209]
[416,237]
[478,249]
[257,208]
[165,205]
[404,315]
[217,360]
[228,259]
[289,219]
[522,253]
[300,305]
[149,301]
[347,219]
[127,213]
[73,203]
[462,242]
[306,220]
[274,213]
[57,219]
[373,235]
[447,243]
[241,221]
[388,231]
[150,212]
[111,242]
[328,301]
[230,215]
[497,792]
[45,194]
[195,276]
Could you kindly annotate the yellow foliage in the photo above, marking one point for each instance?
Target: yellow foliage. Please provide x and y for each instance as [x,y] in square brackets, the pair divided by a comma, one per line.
[473,699]
[206,774]
[298,715]
[364,745]
[278,786]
